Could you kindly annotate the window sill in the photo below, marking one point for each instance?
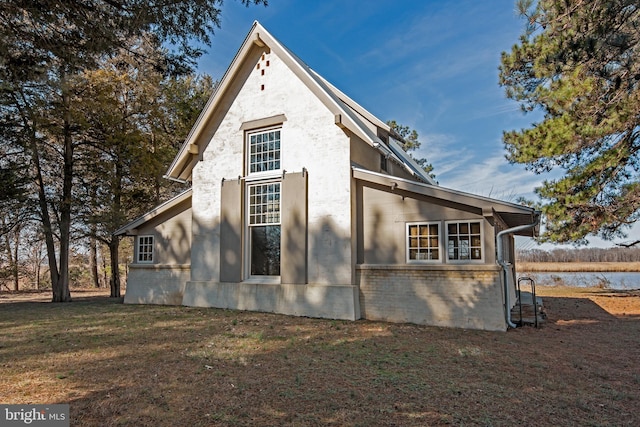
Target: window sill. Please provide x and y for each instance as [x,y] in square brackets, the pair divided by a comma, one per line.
[263,280]
[430,266]
[153,266]
[263,176]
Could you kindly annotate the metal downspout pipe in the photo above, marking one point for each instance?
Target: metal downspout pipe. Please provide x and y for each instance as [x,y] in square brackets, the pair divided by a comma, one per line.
[505,265]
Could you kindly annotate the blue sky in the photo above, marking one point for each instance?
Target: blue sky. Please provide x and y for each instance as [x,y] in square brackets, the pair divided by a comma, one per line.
[431,65]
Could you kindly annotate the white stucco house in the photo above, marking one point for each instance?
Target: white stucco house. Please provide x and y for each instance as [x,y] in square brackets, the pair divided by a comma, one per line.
[303,203]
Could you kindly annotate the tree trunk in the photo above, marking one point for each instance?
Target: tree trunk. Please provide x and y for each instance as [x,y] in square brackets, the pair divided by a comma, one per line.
[93,257]
[12,256]
[114,246]
[61,290]
[114,243]
[104,269]
[11,261]
[38,266]
[47,228]
[43,203]
[15,266]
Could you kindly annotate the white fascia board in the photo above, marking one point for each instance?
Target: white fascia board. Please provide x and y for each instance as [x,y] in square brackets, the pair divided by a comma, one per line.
[436,191]
[192,139]
[353,104]
[402,156]
[318,86]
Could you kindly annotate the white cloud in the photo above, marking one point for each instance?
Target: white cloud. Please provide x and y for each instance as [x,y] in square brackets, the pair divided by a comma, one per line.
[487,174]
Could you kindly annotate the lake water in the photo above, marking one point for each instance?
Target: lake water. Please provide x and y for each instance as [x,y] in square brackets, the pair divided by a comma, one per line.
[615,280]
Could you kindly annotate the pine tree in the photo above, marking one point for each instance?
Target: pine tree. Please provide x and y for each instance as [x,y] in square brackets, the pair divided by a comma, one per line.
[410,142]
[578,62]
[136,117]
[45,46]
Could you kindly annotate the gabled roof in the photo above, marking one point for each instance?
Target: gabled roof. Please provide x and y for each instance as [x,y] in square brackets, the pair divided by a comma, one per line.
[511,214]
[395,148]
[129,229]
[347,113]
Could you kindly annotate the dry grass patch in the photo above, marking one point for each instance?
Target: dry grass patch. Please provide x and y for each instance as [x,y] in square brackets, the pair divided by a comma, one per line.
[118,364]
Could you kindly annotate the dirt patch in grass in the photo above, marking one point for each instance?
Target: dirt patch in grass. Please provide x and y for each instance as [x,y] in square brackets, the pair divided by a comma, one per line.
[120,364]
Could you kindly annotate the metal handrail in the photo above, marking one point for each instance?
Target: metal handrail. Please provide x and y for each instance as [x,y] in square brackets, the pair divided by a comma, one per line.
[533,297]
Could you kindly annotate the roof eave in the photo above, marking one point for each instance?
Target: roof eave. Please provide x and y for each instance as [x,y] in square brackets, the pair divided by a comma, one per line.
[128,229]
[183,162]
[483,204]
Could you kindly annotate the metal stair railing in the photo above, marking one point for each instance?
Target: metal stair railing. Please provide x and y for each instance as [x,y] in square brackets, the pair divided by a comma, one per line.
[534,299]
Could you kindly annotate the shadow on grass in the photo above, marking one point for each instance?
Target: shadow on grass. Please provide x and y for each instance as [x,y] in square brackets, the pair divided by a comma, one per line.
[160,365]
[569,309]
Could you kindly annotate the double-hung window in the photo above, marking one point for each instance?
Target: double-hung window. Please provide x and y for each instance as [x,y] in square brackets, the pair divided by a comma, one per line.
[264,229]
[263,202]
[145,249]
[464,241]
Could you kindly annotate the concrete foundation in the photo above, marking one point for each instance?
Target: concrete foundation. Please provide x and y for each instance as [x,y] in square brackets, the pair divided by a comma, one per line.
[156,284]
[322,301]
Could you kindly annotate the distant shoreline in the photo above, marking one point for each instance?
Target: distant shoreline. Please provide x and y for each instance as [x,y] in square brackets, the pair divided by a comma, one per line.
[570,267]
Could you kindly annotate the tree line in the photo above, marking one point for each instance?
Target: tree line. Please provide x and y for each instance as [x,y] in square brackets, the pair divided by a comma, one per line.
[95,99]
[614,254]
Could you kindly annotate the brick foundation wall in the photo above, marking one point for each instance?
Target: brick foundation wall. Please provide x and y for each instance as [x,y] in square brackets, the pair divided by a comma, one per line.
[462,296]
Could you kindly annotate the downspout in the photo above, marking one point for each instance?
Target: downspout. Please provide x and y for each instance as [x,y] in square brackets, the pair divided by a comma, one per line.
[505,265]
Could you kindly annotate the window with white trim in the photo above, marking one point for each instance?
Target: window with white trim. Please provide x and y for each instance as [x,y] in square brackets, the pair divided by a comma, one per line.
[423,241]
[464,241]
[264,229]
[145,249]
[263,151]
[264,203]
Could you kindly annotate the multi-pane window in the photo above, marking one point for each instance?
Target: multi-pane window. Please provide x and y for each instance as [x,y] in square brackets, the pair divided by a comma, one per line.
[423,241]
[464,241]
[264,203]
[264,151]
[145,249]
[264,229]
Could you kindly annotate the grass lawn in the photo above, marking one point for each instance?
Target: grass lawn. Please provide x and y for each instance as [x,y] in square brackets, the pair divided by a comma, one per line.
[131,365]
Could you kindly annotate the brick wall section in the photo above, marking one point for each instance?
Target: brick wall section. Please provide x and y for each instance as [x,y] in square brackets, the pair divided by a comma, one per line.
[462,296]
[156,284]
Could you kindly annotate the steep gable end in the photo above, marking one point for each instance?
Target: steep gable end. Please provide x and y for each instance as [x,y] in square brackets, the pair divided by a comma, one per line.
[347,113]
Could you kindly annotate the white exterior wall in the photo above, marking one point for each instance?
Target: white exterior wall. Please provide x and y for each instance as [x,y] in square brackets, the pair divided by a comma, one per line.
[156,284]
[324,301]
[310,139]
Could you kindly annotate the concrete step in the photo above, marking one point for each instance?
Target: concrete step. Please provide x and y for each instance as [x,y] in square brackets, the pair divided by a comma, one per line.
[528,310]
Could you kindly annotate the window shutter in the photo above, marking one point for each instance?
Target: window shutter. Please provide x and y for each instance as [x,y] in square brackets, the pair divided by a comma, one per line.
[231,231]
[293,261]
